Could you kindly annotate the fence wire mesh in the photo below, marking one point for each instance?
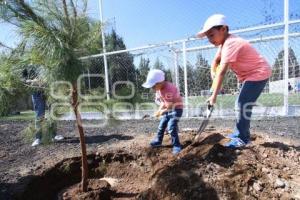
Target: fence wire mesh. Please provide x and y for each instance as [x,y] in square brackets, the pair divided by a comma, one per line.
[127,71]
[187,64]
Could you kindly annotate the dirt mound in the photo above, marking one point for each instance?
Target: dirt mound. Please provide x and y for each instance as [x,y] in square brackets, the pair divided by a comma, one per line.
[97,189]
[205,169]
[182,177]
[208,170]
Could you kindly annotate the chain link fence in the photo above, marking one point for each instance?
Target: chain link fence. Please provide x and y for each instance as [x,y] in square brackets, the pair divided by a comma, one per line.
[191,73]
[187,64]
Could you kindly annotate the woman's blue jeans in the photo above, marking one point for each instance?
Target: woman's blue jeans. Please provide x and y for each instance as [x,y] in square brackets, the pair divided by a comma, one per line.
[39,106]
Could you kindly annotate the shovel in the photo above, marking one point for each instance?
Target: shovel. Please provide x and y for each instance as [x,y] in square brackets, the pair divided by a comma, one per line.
[204,123]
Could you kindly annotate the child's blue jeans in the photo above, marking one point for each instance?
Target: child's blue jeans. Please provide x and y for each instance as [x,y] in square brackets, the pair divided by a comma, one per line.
[170,120]
[39,106]
[249,93]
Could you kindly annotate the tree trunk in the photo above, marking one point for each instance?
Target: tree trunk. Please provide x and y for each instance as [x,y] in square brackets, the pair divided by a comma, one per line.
[84,175]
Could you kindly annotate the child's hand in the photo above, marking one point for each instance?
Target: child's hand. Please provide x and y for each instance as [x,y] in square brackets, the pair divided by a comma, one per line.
[159,113]
[211,100]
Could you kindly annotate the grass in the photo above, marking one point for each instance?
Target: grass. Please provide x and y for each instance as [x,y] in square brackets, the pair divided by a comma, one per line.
[24,115]
[48,129]
[228,101]
[224,101]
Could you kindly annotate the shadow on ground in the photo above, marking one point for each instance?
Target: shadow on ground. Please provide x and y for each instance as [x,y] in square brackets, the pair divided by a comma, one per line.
[280,145]
[96,139]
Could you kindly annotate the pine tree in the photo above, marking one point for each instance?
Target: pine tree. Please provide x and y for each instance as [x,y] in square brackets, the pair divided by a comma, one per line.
[54,35]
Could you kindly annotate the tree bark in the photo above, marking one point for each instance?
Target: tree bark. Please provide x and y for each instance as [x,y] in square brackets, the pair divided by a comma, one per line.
[84,165]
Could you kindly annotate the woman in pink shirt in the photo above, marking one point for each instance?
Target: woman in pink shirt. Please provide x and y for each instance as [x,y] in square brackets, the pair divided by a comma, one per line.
[251,69]
[170,109]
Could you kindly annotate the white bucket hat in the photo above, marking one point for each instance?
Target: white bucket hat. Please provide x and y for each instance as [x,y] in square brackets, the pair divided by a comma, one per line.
[154,76]
[214,20]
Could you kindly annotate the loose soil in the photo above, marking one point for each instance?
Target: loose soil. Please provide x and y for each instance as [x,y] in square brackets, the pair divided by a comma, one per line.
[123,166]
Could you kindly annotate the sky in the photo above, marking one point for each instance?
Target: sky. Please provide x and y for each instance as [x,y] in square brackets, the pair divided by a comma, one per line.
[143,22]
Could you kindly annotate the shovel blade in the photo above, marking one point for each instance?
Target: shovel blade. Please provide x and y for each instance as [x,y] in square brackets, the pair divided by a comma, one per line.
[206,120]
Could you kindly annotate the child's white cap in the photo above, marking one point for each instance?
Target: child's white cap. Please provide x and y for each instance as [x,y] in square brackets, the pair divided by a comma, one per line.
[154,76]
[214,20]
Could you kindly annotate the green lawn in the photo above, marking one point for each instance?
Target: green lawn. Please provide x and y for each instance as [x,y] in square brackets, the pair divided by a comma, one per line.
[227,101]
[224,101]
[24,115]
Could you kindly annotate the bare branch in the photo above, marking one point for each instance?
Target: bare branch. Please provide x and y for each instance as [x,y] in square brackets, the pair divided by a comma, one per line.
[84,6]
[28,12]
[5,46]
[74,9]
[20,10]
[66,10]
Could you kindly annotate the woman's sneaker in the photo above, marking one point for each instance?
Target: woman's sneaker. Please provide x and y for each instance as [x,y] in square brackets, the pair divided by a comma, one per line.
[235,143]
[36,142]
[58,137]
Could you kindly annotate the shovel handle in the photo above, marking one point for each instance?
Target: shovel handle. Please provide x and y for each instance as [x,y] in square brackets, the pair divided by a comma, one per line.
[210,107]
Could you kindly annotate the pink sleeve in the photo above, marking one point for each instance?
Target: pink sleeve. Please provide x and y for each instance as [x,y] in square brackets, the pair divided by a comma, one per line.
[230,51]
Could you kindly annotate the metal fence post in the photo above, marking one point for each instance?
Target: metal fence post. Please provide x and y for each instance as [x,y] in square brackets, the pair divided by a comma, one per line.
[286,58]
[185,78]
[104,53]
[176,70]
[89,79]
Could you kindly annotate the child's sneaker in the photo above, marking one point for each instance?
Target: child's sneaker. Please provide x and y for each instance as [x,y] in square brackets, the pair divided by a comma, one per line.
[36,142]
[235,143]
[232,135]
[155,143]
[58,138]
[176,150]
